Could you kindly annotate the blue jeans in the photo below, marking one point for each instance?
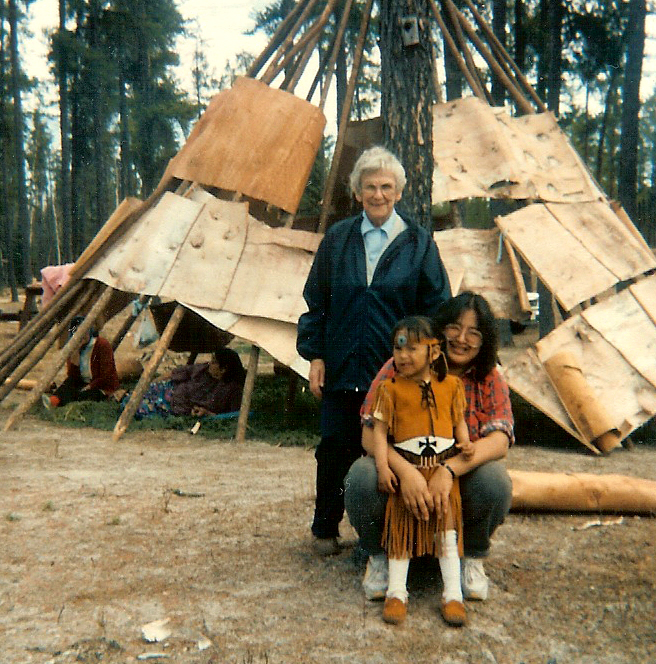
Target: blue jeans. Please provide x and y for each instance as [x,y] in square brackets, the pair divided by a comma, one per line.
[486,495]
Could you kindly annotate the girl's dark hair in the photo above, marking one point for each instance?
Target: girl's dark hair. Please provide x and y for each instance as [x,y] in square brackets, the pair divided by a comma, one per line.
[451,311]
[229,361]
[417,327]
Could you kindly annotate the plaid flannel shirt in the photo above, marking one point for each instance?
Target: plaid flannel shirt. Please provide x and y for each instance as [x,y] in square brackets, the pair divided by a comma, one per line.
[488,403]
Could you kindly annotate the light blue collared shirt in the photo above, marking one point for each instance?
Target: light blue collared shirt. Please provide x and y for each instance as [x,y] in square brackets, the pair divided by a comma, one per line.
[377,238]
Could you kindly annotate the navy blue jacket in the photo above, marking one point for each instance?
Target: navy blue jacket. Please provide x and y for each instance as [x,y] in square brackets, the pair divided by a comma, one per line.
[348,324]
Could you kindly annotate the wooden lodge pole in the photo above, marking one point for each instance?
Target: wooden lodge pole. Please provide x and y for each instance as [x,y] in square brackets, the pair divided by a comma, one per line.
[471,65]
[474,84]
[37,327]
[501,50]
[286,44]
[73,344]
[494,65]
[278,37]
[343,121]
[127,324]
[149,371]
[251,372]
[335,52]
[25,363]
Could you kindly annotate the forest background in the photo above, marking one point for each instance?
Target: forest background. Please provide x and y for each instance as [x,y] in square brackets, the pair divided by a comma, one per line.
[124,105]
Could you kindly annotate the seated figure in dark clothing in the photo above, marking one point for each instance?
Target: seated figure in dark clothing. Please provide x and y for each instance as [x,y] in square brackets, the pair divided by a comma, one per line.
[207,388]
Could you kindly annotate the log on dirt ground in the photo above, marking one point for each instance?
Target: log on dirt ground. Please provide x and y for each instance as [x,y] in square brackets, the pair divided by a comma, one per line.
[582,492]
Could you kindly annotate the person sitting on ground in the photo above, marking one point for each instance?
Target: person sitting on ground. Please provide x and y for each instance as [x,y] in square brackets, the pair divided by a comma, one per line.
[90,372]
[207,388]
[420,413]
[485,487]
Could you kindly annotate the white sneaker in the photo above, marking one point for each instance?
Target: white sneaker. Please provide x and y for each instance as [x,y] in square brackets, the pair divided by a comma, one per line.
[474,580]
[376,577]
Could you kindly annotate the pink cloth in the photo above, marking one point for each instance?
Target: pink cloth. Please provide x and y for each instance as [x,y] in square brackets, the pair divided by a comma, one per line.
[53,277]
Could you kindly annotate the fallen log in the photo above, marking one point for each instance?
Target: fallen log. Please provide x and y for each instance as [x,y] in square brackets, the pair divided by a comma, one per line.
[582,492]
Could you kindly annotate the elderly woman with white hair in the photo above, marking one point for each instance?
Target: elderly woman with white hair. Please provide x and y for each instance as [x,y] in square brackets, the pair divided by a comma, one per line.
[370,271]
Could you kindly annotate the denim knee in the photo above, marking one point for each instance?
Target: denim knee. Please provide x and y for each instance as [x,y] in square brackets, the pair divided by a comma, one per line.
[486,496]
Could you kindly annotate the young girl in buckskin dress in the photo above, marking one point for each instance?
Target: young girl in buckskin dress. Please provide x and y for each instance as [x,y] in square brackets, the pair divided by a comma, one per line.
[421,413]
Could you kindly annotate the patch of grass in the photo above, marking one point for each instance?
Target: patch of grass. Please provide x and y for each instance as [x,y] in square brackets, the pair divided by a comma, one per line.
[271,417]
[49,506]
[12,516]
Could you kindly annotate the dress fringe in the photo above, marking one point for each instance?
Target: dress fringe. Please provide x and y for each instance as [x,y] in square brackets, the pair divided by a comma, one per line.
[404,536]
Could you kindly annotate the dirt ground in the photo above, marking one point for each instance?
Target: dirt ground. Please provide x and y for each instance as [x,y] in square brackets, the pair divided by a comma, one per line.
[101,538]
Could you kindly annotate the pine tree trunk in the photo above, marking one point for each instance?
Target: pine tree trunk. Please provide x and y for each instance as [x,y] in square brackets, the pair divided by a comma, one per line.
[7,271]
[454,78]
[125,184]
[628,175]
[520,36]
[406,103]
[603,129]
[555,55]
[65,136]
[543,51]
[499,28]
[19,149]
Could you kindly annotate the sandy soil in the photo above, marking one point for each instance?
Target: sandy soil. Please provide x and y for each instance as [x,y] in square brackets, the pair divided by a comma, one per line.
[100,538]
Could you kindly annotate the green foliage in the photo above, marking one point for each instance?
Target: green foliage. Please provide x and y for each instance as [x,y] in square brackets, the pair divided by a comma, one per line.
[269,420]
[311,200]
[234,68]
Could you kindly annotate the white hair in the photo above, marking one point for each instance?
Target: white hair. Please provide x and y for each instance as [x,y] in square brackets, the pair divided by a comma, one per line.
[373,160]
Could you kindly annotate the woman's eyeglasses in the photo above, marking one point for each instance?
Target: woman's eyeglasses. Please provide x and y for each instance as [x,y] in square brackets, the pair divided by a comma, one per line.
[473,337]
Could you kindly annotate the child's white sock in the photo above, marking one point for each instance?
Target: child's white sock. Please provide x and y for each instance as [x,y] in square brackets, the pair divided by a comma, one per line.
[398,576]
[450,567]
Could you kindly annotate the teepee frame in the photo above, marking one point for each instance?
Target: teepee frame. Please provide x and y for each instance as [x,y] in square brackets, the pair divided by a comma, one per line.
[285,57]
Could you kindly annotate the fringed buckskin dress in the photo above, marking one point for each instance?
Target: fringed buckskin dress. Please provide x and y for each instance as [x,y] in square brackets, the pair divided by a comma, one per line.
[420,419]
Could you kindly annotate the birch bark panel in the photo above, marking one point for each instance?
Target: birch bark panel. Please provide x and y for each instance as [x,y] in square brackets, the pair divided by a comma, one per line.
[606,237]
[586,411]
[470,154]
[208,259]
[582,492]
[284,237]
[623,392]
[449,245]
[269,283]
[551,164]
[645,292]
[527,376]
[275,337]
[473,253]
[255,140]
[565,265]
[484,152]
[625,325]
[124,209]
[617,208]
[140,261]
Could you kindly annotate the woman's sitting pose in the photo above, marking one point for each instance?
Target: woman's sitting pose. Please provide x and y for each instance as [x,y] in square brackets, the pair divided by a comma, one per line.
[207,388]
[468,325]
